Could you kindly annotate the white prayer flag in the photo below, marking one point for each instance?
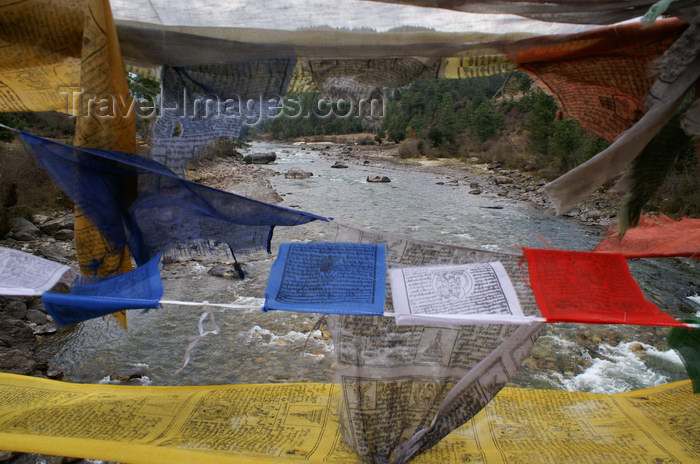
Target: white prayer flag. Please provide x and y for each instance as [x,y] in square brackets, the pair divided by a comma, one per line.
[25,274]
[477,293]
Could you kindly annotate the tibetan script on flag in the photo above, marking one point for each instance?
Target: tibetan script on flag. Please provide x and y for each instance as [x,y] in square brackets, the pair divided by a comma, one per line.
[336,278]
[462,294]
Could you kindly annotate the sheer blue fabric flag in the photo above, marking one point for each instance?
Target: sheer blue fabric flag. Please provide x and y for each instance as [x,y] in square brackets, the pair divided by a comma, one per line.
[204,103]
[138,202]
[330,278]
[137,289]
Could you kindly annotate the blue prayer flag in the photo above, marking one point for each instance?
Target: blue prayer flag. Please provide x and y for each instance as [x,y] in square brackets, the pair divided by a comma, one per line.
[139,202]
[213,101]
[331,278]
[137,289]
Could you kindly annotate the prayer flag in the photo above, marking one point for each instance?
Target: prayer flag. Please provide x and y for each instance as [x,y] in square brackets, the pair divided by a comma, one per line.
[656,236]
[204,103]
[137,289]
[589,73]
[427,379]
[331,278]
[164,211]
[25,274]
[591,288]
[477,293]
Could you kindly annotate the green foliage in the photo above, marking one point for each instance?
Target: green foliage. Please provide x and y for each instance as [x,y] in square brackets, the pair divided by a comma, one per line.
[592,145]
[542,110]
[565,138]
[649,170]
[142,88]
[9,120]
[435,136]
[487,121]
[145,92]
[564,146]
[523,82]
[309,114]
[394,122]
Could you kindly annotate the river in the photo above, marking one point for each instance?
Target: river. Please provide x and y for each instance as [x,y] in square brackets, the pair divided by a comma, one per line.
[257,347]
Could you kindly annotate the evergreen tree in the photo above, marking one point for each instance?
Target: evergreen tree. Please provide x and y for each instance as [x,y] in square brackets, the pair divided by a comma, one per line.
[543,110]
[487,121]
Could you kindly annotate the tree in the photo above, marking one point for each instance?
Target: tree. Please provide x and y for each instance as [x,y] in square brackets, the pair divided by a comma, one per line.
[565,143]
[142,88]
[543,110]
[447,119]
[10,121]
[394,122]
[487,121]
[435,136]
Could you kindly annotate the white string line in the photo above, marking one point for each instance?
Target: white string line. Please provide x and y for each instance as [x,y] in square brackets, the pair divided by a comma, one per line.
[218,305]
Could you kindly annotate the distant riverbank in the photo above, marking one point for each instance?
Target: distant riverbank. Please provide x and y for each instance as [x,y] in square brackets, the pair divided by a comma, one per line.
[599,209]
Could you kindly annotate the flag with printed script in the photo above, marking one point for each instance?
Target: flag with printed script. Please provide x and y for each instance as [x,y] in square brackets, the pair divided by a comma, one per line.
[331,278]
[591,288]
[474,293]
[203,103]
[91,298]
[686,342]
[25,274]
[165,211]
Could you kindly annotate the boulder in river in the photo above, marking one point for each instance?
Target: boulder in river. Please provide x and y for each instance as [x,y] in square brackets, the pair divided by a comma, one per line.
[259,158]
[339,165]
[378,179]
[296,173]
[16,309]
[225,270]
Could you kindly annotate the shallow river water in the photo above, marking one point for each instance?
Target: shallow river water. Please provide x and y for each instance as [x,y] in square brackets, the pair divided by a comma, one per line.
[256,347]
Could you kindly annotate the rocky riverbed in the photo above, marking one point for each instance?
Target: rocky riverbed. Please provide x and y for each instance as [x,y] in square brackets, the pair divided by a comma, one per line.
[482,178]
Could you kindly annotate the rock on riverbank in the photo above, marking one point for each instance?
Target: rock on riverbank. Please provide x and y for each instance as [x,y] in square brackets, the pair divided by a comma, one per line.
[23,320]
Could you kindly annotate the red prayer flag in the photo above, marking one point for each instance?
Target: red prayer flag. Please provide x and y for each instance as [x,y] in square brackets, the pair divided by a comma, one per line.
[599,77]
[591,288]
[656,236]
